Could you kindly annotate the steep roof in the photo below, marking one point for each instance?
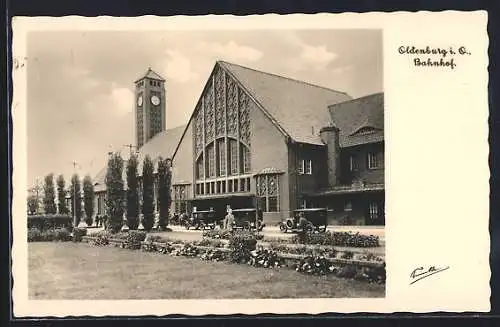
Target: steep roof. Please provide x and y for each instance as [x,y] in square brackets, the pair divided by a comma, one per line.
[298,108]
[161,145]
[152,75]
[359,120]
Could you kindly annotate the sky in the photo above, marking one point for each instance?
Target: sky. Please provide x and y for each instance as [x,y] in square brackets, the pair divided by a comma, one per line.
[80,84]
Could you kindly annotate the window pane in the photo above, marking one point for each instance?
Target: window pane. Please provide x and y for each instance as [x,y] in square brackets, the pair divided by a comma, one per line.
[221,148]
[273,204]
[245,159]
[373,210]
[235,185]
[309,167]
[199,168]
[242,185]
[223,186]
[248,184]
[230,186]
[211,160]
[273,184]
[233,153]
[301,166]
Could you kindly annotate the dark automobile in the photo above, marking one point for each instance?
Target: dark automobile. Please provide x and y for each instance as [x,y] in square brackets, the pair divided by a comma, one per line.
[309,220]
[201,220]
[246,219]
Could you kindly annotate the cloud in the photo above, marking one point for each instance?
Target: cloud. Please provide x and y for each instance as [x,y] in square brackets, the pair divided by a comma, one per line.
[231,51]
[178,67]
[317,56]
[311,57]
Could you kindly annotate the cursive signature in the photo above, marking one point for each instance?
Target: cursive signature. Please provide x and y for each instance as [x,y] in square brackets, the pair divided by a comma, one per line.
[421,273]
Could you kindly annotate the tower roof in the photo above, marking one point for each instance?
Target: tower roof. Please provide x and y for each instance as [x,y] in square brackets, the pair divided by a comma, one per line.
[151,74]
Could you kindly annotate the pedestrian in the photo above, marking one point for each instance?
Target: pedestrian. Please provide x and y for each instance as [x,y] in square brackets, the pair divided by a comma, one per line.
[97,221]
[229,220]
[302,222]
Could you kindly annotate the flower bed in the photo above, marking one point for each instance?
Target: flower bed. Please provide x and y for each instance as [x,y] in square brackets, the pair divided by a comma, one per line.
[243,249]
[224,234]
[347,239]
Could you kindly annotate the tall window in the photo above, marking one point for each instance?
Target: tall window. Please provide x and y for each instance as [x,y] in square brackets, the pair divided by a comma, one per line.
[308,169]
[199,168]
[373,161]
[301,167]
[353,163]
[211,160]
[373,210]
[245,159]
[233,156]
[221,156]
[268,192]
[180,198]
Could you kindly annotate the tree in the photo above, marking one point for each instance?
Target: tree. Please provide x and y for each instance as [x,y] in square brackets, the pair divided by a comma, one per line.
[61,195]
[32,204]
[88,199]
[132,193]
[164,195]
[76,199]
[148,193]
[115,195]
[49,204]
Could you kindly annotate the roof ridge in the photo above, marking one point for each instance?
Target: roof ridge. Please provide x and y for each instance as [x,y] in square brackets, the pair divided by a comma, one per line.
[284,77]
[357,99]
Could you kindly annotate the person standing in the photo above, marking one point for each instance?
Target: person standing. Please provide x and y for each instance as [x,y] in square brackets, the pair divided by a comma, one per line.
[229,220]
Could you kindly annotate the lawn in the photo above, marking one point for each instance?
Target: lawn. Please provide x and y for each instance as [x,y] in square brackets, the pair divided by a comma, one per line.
[81,271]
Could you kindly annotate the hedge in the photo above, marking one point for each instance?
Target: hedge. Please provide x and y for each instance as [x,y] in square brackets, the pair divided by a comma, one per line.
[58,234]
[46,222]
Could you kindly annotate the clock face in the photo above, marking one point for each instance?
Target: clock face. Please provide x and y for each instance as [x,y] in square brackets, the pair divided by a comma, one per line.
[155,100]
[139,101]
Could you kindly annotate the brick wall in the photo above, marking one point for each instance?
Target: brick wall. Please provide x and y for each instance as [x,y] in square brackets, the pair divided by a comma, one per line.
[363,172]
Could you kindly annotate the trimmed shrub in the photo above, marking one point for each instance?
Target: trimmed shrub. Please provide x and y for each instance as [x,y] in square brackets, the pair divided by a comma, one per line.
[132,240]
[241,244]
[78,233]
[101,238]
[46,222]
[59,234]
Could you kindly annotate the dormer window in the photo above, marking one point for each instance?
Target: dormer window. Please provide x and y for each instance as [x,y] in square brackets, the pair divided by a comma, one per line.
[365,130]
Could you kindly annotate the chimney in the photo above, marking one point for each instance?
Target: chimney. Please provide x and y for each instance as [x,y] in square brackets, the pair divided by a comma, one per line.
[330,136]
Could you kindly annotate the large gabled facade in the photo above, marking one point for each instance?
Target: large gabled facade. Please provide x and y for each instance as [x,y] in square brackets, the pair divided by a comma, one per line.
[260,140]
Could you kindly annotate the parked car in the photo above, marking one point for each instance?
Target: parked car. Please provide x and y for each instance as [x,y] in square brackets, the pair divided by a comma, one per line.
[201,220]
[313,219]
[246,219]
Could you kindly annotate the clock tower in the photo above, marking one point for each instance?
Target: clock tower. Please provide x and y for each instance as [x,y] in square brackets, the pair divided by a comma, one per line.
[149,106]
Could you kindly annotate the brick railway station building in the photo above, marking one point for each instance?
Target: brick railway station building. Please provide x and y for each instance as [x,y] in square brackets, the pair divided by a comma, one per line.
[264,141]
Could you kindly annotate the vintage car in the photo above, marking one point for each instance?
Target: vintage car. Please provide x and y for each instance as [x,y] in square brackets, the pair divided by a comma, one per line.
[201,220]
[246,219]
[315,221]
